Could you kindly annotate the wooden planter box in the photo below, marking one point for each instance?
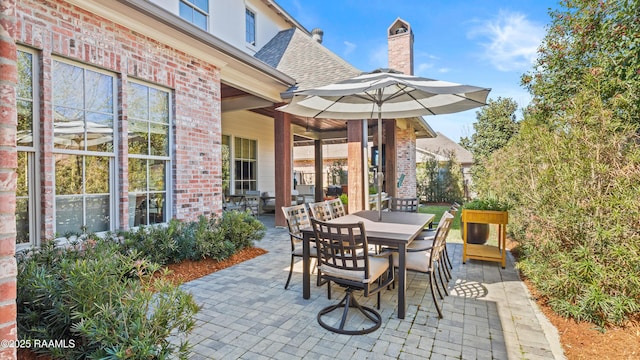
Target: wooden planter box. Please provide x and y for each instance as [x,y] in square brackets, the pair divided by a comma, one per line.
[486,252]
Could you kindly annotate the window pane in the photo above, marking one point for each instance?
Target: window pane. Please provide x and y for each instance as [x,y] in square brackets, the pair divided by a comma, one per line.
[25,75]
[68,169]
[97,175]
[68,215]
[137,175]
[23,174]
[200,20]
[157,171]
[159,106]
[186,11]
[156,208]
[138,137]
[159,140]
[68,128]
[251,27]
[137,210]
[25,123]
[98,92]
[202,4]
[137,101]
[22,220]
[67,85]
[226,158]
[99,132]
[98,213]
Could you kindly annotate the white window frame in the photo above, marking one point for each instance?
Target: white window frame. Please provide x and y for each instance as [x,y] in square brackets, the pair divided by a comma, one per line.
[168,193]
[235,158]
[195,8]
[247,28]
[33,155]
[113,159]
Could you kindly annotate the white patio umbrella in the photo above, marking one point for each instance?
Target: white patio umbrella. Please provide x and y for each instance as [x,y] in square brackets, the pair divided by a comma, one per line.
[384,93]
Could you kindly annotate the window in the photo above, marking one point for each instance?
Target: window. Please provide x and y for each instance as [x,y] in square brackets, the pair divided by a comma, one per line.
[250,33]
[195,11]
[83,127]
[149,161]
[226,163]
[26,199]
[245,165]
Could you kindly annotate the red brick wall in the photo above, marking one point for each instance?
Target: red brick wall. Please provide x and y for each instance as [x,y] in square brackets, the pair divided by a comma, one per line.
[8,178]
[406,160]
[400,52]
[58,28]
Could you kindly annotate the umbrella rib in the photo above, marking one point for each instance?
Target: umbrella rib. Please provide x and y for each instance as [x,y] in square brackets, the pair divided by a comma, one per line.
[416,100]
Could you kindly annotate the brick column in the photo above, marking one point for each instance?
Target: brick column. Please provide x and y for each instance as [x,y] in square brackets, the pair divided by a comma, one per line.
[8,177]
[406,158]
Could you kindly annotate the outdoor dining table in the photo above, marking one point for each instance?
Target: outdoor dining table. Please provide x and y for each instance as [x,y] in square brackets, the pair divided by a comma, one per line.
[395,229]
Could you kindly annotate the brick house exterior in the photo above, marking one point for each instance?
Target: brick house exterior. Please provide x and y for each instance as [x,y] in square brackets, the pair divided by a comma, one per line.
[8,271]
[92,36]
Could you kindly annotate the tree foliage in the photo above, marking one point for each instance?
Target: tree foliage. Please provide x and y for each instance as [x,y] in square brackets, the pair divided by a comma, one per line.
[496,124]
[573,170]
[587,36]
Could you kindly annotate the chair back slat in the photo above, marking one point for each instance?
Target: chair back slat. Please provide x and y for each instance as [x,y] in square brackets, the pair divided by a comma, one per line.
[404,204]
[342,247]
[439,241]
[297,219]
[336,207]
[320,211]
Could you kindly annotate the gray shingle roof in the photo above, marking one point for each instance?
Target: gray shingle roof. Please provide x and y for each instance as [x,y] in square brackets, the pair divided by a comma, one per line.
[442,145]
[301,57]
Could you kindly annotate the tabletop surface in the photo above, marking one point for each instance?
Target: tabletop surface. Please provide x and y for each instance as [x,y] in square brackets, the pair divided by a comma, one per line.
[395,226]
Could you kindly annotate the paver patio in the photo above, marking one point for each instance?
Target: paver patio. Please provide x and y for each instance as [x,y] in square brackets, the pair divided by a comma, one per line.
[247,314]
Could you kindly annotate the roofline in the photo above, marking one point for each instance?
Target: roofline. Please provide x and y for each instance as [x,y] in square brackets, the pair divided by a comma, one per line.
[286,16]
[169,19]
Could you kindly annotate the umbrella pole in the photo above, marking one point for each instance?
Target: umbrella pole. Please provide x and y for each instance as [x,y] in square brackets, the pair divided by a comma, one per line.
[380,175]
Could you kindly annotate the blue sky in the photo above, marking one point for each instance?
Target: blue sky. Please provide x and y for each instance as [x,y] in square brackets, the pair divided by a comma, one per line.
[486,43]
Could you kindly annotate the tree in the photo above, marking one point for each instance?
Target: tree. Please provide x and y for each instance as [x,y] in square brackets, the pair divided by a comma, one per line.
[496,125]
[588,37]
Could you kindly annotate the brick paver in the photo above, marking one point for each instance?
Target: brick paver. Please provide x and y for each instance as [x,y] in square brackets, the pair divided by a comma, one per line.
[247,314]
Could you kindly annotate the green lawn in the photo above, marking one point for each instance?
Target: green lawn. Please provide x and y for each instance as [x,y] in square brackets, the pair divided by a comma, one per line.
[454,233]
[455,236]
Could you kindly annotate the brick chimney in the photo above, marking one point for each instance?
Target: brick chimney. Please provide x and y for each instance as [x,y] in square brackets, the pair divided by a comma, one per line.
[400,46]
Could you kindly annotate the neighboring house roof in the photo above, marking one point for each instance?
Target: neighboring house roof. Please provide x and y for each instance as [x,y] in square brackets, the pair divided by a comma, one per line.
[298,55]
[442,146]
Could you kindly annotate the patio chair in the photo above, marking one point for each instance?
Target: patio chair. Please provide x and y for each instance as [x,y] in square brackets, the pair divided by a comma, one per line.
[426,237]
[430,261]
[320,211]
[404,204]
[344,259]
[336,207]
[454,206]
[253,201]
[297,219]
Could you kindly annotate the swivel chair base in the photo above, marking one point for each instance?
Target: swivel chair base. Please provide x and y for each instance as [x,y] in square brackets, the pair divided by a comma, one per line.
[350,302]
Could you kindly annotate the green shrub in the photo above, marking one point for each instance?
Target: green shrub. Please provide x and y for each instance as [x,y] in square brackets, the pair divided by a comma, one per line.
[576,215]
[240,229]
[213,237]
[103,301]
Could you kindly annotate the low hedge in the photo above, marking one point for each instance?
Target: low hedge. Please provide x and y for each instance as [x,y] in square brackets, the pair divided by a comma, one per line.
[98,295]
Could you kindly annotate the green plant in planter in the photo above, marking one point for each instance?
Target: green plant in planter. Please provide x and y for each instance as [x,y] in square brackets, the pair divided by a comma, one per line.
[479,233]
[489,204]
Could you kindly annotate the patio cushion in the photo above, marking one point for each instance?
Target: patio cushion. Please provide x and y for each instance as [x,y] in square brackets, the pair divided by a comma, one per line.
[416,261]
[377,267]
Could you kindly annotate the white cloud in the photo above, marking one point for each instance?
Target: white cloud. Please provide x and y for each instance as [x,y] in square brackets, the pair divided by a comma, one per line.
[421,69]
[444,70]
[513,40]
[349,47]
